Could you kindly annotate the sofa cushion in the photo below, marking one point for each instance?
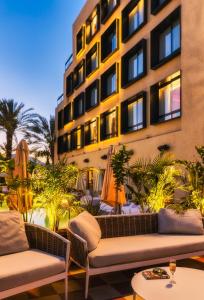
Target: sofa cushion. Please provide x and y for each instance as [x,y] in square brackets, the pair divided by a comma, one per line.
[189,222]
[121,250]
[28,266]
[87,227]
[12,233]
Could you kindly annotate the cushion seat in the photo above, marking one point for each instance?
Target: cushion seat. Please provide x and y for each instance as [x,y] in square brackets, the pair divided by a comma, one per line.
[121,250]
[28,266]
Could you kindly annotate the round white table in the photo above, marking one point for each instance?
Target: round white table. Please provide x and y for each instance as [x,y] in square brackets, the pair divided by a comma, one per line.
[189,286]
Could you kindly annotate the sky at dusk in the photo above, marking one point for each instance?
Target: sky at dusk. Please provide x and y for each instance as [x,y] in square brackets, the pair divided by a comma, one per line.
[35,41]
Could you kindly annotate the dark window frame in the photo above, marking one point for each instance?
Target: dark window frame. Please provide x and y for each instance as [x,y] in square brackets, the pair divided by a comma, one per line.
[113,26]
[103,135]
[154,101]
[65,142]
[60,119]
[68,113]
[88,21]
[74,146]
[77,84]
[125,82]
[103,89]
[155,35]
[157,7]
[87,95]
[104,14]
[78,98]
[94,49]
[87,140]
[70,84]
[60,144]
[124,113]
[80,35]
[125,14]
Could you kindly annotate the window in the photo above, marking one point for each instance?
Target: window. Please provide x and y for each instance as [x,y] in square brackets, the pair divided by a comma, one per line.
[109,124]
[79,74]
[166,99]
[60,145]
[109,82]
[91,132]
[78,106]
[60,119]
[69,84]
[92,95]
[134,17]
[134,64]
[166,40]
[67,142]
[157,5]
[107,9]
[133,113]
[109,41]
[93,24]
[92,60]
[67,113]
[80,40]
[77,138]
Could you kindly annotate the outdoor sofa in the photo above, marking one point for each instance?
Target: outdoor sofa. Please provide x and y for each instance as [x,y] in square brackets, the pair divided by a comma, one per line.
[36,259]
[126,242]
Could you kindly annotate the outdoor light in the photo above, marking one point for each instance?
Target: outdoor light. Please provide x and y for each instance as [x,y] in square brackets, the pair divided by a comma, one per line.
[164,147]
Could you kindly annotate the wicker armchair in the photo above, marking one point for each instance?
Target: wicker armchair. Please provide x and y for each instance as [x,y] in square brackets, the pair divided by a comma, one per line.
[114,226]
[48,242]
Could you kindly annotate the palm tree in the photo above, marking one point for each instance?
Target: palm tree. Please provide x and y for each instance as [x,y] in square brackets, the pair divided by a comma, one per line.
[42,134]
[14,119]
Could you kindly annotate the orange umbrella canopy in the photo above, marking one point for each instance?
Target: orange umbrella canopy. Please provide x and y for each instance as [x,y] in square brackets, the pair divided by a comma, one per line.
[108,193]
[21,199]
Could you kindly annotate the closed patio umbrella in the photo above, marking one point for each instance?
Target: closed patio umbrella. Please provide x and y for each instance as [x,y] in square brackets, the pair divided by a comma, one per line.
[109,194]
[21,199]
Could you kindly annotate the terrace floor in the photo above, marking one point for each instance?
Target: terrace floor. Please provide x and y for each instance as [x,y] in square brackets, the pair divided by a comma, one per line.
[110,286]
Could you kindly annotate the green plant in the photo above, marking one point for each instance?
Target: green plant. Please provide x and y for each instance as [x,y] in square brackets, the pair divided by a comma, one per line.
[119,165]
[54,187]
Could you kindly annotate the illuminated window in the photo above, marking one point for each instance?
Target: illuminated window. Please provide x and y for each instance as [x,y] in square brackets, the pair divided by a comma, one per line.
[77,138]
[109,124]
[109,82]
[67,113]
[166,40]
[79,74]
[69,84]
[107,8]
[67,142]
[78,106]
[92,60]
[109,41]
[157,5]
[92,95]
[134,16]
[80,40]
[91,132]
[93,24]
[166,98]
[134,64]
[133,113]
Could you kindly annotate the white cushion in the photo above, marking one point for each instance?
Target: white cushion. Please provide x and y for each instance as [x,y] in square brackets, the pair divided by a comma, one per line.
[189,222]
[12,233]
[86,226]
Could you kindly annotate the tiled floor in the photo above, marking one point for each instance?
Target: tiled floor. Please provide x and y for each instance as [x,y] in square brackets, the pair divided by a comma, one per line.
[105,287]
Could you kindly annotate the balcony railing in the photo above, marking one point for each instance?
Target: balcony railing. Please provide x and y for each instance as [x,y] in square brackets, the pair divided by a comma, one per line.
[68,62]
[60,98]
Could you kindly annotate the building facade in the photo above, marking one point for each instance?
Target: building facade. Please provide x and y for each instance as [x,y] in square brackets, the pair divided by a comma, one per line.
[136,78]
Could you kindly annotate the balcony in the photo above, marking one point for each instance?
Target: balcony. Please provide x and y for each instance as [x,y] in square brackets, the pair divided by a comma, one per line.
[60,99]
[68,62]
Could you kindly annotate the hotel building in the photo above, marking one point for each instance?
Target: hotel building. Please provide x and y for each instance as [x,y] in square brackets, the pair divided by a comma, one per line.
[136,78]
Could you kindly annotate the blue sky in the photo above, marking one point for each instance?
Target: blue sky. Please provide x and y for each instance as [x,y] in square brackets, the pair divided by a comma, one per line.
[35,41]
